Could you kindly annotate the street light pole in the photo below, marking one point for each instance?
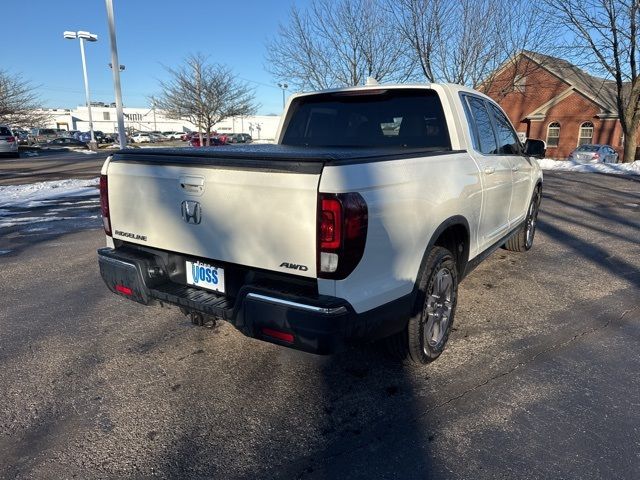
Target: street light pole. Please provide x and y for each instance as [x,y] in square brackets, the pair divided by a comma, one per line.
[283,86]
[86,91]
[122,136]
[90,37]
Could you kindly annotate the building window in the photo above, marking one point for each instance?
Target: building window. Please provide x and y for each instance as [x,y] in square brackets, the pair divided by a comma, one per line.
[520,84]
[586,133]
[106,116]
[553,134]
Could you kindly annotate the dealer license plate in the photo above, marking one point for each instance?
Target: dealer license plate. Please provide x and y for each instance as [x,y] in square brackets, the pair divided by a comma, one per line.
[205,276]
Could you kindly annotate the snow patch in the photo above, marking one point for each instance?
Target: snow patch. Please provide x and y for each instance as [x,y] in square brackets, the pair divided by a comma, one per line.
[27,220]
[571,166]
[35,194]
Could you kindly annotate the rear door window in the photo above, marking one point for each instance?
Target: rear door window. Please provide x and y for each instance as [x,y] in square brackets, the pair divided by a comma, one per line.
[408,118]
[508,143]
[482,129]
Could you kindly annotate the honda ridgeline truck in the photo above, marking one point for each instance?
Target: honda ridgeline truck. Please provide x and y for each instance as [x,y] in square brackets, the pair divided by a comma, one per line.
[357,225]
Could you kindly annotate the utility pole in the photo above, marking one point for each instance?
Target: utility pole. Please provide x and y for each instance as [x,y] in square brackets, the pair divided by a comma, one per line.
[122,135]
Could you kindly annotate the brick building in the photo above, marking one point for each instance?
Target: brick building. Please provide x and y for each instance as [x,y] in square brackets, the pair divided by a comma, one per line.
[550,99]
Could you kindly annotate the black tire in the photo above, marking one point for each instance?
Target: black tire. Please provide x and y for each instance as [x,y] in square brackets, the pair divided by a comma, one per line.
[522,240]
[413,343]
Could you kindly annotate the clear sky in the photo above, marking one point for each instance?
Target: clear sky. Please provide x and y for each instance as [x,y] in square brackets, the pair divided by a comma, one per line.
[150,34]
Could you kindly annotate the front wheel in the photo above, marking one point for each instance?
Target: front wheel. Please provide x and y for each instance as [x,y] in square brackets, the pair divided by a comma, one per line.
[427,331]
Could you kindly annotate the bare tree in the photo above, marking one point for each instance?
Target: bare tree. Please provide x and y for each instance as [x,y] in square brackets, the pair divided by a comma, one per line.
[338,43]
[465,41]
[604,36]
[204,94]
[19,102]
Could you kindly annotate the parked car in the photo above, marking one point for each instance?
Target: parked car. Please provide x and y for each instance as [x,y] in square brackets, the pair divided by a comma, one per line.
[8,142]
[67,142]
[595,153]
[43,135]
[24,138]
[243,138]
[337,234]
[173,135]
[214,141]
[223,138]
[157,137]
[141,138]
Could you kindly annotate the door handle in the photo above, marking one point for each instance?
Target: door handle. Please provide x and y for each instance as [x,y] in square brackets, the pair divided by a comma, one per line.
[489,170]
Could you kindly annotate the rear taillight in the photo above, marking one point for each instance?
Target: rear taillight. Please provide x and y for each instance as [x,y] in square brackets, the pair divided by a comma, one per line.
[342,233]
[104,204]
[11,139]
[596,156]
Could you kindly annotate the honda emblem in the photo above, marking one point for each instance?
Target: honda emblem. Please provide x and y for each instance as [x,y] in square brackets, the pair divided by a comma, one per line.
[191,212]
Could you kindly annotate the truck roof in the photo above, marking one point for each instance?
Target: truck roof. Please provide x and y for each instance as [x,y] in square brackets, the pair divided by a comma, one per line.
[453,87]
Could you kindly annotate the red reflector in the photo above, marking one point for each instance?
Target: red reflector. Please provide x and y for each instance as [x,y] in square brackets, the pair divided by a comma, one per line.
[124,290]
[331,224]
[284,336]
[11,139]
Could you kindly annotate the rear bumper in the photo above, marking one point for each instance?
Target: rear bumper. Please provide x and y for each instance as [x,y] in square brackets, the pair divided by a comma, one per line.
[319,324]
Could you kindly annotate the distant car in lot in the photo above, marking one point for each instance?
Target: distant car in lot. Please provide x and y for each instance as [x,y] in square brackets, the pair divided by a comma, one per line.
[141,138]
[43,135]
[595,153]
[8,142]
[66,142]
[23,137]
[173,135]
[195,141]
[244,138]
[157,137]
[223,138]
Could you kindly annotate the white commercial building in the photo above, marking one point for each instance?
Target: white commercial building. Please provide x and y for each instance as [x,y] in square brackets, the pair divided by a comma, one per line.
[149,119]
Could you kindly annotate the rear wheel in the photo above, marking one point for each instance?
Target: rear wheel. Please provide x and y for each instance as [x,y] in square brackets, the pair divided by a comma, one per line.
[522,240]
[427,331]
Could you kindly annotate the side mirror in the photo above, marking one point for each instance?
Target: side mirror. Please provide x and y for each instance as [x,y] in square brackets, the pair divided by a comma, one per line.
[535,148]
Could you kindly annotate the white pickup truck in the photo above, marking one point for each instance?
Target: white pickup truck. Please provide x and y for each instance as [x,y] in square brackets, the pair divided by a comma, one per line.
[357,225]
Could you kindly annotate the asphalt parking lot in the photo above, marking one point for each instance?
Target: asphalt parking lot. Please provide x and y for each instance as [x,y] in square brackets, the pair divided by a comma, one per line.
[540,378]
[43,165]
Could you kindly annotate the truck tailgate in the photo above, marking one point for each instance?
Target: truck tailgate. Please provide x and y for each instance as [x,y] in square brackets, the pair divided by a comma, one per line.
[257,217]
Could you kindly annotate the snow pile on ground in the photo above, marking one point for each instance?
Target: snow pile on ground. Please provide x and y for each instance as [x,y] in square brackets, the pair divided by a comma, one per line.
[571,166]
[34,194]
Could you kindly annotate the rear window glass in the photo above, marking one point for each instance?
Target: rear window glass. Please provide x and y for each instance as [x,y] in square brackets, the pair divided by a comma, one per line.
[588,148]
[5,131]
[381,118]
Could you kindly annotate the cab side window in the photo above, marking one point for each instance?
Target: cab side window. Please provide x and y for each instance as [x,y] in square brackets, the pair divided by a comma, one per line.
[508,143]
[480,122]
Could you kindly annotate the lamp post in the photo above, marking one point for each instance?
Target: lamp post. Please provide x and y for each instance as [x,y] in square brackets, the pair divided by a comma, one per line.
[283,86]
[89,37]
[122,136]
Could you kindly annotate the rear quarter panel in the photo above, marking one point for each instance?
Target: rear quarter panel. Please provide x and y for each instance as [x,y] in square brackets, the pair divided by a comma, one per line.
[407,201]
